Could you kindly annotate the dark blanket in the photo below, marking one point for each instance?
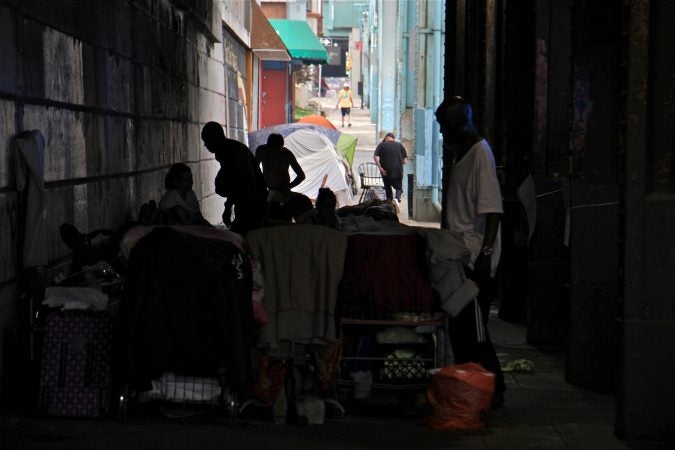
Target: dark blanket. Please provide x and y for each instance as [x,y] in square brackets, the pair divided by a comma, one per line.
[186,309]
[385,274]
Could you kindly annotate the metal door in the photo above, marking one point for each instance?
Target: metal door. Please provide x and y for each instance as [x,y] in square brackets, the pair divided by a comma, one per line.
[273,96]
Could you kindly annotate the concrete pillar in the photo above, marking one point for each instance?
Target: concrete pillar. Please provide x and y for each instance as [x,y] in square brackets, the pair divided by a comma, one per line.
[387,64]
[593,207]
[645,392]
[548,270]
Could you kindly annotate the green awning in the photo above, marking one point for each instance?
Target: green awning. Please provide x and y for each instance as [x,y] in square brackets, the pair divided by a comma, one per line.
[300,41]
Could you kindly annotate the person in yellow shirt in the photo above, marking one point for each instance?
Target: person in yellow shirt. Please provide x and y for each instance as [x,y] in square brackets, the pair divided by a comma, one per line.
[345,102]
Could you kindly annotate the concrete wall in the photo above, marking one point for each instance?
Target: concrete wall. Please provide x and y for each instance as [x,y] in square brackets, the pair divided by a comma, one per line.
[594,194]
[120,90]
[645,407]
[584,101]
[548,293]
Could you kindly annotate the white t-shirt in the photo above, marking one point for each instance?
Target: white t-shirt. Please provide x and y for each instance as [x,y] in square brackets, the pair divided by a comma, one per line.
[473,191]
[172,198]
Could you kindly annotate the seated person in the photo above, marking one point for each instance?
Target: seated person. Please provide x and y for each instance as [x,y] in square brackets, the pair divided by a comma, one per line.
[326,204]
[276,160]
[300,208]
[179,204]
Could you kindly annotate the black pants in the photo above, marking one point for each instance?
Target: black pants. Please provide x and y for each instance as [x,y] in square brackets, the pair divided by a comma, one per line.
[248,216]
[396,183]
[462,332]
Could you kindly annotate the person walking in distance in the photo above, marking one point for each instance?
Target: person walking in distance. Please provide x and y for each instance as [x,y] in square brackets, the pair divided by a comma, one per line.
[390,156]
[345,102]
[473,209]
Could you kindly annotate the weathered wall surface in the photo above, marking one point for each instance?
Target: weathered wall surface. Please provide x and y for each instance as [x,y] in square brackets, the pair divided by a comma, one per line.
[594,194]
[647,319]
[594,127]
[120,90]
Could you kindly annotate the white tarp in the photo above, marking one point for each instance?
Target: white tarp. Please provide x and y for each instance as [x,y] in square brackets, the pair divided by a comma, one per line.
[30,172]
[317,156]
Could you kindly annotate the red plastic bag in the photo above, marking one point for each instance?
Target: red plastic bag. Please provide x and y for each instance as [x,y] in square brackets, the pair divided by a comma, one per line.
[461,395]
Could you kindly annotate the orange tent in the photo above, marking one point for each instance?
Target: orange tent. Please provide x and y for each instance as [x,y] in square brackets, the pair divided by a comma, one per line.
[318,120]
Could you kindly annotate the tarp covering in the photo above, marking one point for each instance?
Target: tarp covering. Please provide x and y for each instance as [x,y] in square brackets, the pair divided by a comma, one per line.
[300,41]
[346,146]
[317,156]
[318,120]
[345,143]
[30,172]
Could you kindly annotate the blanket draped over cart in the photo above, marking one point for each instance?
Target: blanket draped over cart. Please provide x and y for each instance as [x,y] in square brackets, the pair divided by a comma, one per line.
[187,309]
[302,266]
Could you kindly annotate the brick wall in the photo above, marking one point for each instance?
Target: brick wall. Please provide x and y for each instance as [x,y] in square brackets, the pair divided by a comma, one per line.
[120,90]
[274,10]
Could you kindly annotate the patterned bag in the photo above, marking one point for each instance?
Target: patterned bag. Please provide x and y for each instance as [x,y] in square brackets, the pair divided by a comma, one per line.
[75,368]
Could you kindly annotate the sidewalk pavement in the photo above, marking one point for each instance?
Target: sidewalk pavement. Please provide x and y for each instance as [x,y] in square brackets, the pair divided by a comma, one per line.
[366,132]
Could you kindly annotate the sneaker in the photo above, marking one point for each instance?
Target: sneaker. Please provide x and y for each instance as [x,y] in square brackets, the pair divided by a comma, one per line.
[395,205]
[349,125]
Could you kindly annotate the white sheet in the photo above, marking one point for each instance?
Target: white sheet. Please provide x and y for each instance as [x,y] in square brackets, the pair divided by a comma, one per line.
[30,168]
[71,297]
[178,388]
[317,156]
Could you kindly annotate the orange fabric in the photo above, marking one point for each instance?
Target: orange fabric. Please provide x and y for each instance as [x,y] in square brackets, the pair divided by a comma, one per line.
[327,360]
[268,378]
[461,395]
[318,120]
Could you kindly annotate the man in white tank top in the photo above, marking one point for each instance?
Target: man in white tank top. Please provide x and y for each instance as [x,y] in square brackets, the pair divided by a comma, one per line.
[473,207]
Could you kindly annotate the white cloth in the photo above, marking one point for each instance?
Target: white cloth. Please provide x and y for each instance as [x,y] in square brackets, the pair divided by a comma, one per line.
[302,266]
[181,388]
[473,192]
[317,156]
[446,256]
[30,169]
[526,194]
[172,198]
[75,298]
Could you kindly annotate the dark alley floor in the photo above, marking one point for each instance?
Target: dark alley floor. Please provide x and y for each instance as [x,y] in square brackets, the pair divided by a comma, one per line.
[541,411]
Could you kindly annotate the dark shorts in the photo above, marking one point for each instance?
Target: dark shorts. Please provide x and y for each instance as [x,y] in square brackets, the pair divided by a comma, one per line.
[345,111]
